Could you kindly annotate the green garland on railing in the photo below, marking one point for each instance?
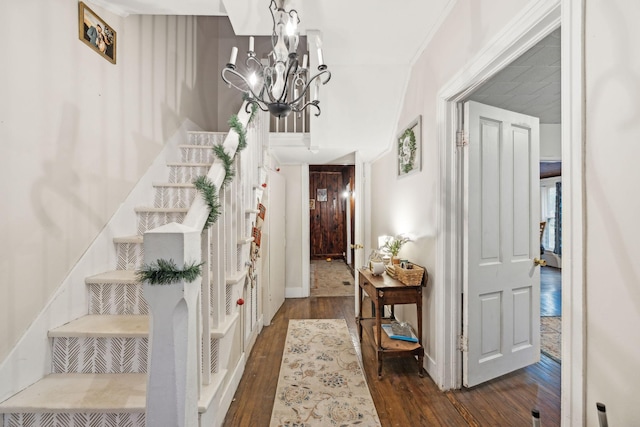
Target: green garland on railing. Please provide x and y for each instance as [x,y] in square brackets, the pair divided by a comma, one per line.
[236,125]
[227,162]
[163,272]
[254,110]
[210,195]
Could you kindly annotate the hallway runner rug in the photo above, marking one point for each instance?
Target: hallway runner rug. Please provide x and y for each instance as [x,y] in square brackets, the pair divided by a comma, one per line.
[321,381]
[331,279]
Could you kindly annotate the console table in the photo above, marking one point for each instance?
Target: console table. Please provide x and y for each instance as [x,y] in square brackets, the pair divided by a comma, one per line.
[384,290]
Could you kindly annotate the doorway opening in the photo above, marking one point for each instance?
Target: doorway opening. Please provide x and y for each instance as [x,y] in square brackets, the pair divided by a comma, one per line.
[331,229]
[539,69]
[530,85]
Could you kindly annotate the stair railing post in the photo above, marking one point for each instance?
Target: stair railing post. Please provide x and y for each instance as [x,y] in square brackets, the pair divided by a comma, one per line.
[172,389]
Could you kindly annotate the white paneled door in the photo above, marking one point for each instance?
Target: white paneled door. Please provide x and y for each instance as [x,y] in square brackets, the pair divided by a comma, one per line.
[501,301]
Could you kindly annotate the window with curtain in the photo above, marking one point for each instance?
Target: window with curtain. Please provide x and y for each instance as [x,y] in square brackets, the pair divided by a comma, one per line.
[548,212]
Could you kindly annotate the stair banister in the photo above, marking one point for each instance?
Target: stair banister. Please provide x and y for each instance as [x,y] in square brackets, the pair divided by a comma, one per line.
[180,326]
[198,212]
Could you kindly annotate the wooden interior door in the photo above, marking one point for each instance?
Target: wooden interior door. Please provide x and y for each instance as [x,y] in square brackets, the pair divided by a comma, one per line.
[327,211]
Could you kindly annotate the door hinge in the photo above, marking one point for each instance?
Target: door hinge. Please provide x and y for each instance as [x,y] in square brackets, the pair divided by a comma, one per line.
[463,343]
[462,139]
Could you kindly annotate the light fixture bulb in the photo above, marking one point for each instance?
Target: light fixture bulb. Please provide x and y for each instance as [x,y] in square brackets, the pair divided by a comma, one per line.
[291,28]
[253,79]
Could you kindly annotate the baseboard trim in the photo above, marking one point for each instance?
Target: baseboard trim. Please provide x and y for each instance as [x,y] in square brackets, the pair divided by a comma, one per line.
[230,391]
[294,293]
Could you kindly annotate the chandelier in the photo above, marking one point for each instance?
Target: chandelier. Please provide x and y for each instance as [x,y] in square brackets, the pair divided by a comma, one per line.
[281,84]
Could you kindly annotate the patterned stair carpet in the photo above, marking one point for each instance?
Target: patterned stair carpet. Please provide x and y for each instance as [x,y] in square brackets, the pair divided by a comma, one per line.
[321,381]
[331,279]
[551,336]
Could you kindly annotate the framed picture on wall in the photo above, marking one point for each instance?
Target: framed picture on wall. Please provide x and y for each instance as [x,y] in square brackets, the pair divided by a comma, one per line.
[409,148]
[96,33]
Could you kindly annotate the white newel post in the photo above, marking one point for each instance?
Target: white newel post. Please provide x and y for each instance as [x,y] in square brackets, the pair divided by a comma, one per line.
[172,389]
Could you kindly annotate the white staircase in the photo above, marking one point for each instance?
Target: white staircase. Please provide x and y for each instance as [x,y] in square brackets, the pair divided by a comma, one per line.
[99,361]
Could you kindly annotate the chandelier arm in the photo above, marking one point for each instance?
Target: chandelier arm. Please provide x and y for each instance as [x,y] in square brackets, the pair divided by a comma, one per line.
[254,102]
[310,103]
[268,71]
[254,59]
[306,87]
[237,74]
[273,6]
[292,63]
[291,16]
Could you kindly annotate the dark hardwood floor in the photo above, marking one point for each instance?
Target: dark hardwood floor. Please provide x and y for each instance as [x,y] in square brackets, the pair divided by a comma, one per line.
[550,291]
[401,397]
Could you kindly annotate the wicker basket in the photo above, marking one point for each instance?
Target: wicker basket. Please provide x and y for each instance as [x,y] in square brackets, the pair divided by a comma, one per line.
[410,276]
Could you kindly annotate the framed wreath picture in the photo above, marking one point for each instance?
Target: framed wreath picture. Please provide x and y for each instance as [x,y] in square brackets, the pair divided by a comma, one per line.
[410,148]
[96,33]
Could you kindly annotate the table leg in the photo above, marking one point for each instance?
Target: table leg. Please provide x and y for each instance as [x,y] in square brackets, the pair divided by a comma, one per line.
[379,335]
[359,318]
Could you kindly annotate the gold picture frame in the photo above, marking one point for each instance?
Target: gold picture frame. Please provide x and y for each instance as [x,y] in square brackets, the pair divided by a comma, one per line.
[96,33]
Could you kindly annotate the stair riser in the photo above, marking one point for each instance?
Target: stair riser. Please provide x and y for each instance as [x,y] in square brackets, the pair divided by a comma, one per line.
[130,255]
[100,355]
[150,220]
[206,138]
[117,298]
[186,173]
[174,197]
[74,420]
[197,155]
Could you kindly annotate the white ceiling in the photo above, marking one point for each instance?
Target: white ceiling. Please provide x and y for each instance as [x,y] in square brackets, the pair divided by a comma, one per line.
[369,46]
[530,84]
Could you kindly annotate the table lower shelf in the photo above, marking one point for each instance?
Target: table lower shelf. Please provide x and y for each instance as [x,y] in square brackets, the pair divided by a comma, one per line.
[390,347]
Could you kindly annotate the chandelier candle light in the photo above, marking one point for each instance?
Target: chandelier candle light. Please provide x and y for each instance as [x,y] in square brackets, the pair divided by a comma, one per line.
[281,85]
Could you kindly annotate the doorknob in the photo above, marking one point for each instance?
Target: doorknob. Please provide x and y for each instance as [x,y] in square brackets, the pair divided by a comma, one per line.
[357,246]
[539,262]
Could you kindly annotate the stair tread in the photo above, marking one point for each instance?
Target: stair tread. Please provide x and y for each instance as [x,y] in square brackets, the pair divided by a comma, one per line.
[114,276]
[81,393]
[189,164]
[129,239]
[154,209]
[207,147]
[207,132]
[104,325]
[174,184]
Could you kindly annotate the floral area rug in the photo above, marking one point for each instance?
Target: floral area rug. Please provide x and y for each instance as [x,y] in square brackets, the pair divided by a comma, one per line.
[321,382]
[551,337]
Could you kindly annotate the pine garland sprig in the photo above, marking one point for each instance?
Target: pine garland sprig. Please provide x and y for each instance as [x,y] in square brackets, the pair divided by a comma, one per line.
[163,272]
[254,110]
[236,125]
[210,196]
[227,162]
[254,107]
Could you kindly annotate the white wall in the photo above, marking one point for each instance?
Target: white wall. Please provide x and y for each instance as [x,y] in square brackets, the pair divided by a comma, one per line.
[409,204]
[78,132]
[550,142]
[612,210]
